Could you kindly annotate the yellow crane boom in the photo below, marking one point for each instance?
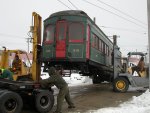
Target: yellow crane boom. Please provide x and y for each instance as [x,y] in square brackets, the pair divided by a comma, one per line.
[36,30]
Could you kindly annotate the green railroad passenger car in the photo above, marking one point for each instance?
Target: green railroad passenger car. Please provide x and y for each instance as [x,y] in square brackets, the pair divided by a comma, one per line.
[73,40]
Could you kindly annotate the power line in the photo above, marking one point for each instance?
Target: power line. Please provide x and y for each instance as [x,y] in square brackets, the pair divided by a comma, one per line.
[122,12]
[12,43]
[64,4]
[124,29]
[73,5]
[9,36]
[114,14]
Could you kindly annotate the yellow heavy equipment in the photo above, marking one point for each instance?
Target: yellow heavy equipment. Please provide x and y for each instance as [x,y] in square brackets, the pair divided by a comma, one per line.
[134,72]
[25,72]
[14,93]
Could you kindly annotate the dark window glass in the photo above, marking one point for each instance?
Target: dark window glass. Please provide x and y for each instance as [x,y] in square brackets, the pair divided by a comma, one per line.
[49,33]
[61,31]
[105,49]
[102,46]
[75,31]
[99,47]
[96,42]
[93,40]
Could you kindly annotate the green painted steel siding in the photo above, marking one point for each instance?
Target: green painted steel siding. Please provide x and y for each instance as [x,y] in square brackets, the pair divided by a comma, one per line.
[107,60]
[67,18]
[97,56]
[73,50]
[76,50]
[48,51]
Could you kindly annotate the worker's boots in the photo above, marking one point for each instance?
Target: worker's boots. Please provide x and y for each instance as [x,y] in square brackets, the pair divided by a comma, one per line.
[71,107]
[57,112]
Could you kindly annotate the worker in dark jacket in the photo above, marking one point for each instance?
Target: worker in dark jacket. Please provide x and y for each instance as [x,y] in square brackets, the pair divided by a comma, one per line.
[6,74]
[16,64]
[139,67]
[57,80]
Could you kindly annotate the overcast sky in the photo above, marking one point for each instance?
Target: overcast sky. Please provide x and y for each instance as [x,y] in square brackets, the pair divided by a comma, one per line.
[15,20]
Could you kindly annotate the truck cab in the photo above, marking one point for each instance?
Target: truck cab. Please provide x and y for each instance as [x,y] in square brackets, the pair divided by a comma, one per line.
[21,70]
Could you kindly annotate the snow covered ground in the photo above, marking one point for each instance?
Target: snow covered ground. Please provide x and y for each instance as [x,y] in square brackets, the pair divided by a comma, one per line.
[140,104]
[74,79]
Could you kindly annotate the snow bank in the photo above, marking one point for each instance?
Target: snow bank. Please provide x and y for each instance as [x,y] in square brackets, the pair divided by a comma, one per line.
[76,79]
[140,104]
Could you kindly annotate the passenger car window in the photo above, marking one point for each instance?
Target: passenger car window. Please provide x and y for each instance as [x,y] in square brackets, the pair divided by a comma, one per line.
[49,33]
[75,31]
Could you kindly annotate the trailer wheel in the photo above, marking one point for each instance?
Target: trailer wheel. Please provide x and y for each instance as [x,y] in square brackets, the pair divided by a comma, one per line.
[2,91]
[44,101]
[10,102]
[120,84]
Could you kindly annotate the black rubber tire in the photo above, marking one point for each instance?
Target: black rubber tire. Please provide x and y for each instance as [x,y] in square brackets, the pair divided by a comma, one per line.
[10,102]
[2,91]
[44,101]
[96,79]
[120,84]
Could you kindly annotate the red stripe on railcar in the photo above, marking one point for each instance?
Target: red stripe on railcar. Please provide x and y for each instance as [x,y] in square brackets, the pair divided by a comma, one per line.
[88,43]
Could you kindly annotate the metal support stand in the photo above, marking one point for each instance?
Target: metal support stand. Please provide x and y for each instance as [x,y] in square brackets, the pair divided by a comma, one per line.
[148,12]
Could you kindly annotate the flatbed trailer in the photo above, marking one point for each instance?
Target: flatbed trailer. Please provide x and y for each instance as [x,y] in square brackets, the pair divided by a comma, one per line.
[13,94]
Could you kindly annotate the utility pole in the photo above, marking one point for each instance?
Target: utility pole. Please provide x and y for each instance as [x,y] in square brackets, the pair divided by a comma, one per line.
[116,57]
[28,42]
[148,12]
